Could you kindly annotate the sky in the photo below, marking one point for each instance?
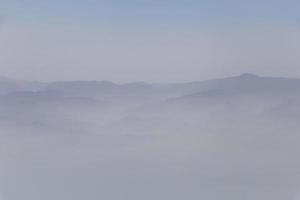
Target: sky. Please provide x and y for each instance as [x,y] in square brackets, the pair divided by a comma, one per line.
[148,40]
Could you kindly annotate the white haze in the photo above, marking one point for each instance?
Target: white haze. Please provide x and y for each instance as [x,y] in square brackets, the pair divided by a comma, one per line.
[230,139]
[65,53]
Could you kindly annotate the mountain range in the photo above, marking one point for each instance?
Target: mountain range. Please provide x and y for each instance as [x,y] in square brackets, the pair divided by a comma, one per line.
[100,104]
[228,138]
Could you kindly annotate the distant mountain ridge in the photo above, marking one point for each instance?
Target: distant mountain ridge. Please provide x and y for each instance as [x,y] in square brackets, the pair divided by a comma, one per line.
[247,78]
[110,105]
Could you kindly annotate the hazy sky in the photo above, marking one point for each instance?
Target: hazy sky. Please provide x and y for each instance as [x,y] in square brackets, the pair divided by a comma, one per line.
[132,40]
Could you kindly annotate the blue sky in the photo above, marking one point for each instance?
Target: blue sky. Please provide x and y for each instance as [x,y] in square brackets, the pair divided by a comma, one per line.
[136,40]
[152,14]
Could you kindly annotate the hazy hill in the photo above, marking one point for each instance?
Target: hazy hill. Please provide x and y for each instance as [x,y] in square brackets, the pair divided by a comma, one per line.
[231,138]
[109,104]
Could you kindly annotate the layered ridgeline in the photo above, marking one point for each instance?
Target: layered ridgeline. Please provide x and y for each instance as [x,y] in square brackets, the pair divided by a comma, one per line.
[102,106]
[231,138]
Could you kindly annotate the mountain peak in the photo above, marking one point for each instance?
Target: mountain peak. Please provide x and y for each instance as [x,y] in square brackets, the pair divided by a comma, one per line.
[248,75]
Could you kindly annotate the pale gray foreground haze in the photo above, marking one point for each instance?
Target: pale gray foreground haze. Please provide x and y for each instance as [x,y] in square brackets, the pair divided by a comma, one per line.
[234,138]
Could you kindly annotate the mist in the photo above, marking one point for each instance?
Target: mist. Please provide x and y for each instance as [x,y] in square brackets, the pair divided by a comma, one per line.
[129,55]
[229,138]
